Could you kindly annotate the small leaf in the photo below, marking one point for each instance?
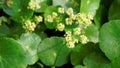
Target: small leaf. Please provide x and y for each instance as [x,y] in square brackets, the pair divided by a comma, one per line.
[4,30]
[30,42]
[92,33]
[17,9]
[43,5]
[109,39]
[12,54]
[114,12]
[53,52]
[89,6]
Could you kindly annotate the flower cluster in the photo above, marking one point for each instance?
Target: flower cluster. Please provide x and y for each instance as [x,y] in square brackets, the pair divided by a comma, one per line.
[30,26]
[34,4]
[9,3]
[75,34]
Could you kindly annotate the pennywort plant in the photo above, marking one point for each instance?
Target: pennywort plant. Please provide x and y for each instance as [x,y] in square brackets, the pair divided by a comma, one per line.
[59,34]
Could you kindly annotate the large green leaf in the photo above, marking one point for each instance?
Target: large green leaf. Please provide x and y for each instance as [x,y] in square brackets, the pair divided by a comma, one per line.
[29,42]
[89,6]
[109,39]
[96,60]
[92,33]
[17,9]
[12,54]
[80,51]
[114,12]
[53,51]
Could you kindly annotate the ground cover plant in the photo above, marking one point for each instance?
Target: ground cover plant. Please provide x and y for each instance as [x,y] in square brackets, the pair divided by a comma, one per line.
[59,33]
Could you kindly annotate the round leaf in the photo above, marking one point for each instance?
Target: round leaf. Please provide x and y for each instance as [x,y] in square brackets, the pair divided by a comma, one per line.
[29,42]
[12,54]
[53,52]
[109,39]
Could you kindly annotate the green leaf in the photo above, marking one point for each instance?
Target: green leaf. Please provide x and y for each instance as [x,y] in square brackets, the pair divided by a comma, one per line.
[12,54]
[116,63]
[114,11]
[109,39]
[96,60]
[17,9]
[80,66]
[89,6]
[53,51]
[80,51]
[100,16]
[43,5]
[92,33]
[4,30]
[75,4]
[30,42]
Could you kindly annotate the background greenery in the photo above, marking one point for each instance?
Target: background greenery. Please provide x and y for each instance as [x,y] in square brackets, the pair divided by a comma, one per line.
[45,48]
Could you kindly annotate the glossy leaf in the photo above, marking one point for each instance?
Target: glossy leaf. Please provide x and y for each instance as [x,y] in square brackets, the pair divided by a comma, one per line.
[53,52]
[30,42]
[109,39]
[89,6]
[12,54]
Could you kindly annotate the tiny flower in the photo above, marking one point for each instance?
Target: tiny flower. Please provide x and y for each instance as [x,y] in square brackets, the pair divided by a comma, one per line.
[60,27]
[69,11]
[61,10]
[68,33]
[49,18]
[88,22]
[90,16]
[70,45]
[68,21]
[38,19]
[34,4]
[9,3]
[77,31]
[29,26]
[54,14]
[84,39]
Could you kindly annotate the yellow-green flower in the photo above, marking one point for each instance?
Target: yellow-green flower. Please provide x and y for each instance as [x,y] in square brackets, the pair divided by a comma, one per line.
[68,21]
[61,10]
[84,39]
[60,27]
